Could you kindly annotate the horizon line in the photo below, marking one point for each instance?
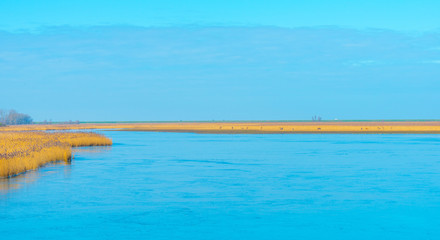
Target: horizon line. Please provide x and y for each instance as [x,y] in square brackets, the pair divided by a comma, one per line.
[232,121]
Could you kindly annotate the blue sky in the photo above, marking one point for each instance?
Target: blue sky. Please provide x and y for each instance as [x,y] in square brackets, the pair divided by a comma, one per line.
[407,15]
[220,60]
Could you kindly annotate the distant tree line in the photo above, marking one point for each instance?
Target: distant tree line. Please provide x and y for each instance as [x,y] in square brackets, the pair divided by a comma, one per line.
[13,117]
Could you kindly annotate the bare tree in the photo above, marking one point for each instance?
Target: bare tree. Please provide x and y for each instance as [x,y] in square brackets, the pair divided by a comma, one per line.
[14,118]
[2,117]
[316,118]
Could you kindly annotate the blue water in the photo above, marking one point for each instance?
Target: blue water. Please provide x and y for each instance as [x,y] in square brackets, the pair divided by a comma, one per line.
[207,186]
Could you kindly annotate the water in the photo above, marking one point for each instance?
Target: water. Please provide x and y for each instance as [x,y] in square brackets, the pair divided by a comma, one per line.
[207,186]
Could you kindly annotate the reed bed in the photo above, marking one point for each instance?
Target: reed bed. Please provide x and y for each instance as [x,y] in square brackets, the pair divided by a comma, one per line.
[291,127]
[82,139]
[252,127]
[27,150]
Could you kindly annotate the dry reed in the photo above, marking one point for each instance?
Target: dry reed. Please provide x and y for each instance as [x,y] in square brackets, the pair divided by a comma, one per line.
[252,127]
[23,151]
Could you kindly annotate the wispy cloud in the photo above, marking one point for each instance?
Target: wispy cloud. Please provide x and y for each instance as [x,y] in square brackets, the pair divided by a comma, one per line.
[433,61]
[196,66]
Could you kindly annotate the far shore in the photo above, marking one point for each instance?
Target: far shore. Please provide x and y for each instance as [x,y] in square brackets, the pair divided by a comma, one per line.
[252,127]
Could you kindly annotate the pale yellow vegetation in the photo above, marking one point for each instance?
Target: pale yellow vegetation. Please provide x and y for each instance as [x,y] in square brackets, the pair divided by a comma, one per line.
[252,127]
[23,151]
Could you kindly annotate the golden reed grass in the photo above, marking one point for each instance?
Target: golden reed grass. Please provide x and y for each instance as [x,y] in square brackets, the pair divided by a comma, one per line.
[252,127]
[290,127]
[23,151]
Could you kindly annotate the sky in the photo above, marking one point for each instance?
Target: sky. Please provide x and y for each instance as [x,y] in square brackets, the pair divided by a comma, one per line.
[220,60]
[406,15]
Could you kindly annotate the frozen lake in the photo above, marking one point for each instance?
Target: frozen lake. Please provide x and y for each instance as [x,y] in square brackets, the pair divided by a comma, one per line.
[211,186]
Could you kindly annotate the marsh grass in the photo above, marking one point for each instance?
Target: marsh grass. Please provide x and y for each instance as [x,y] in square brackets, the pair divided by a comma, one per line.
[23,151]
[261,127]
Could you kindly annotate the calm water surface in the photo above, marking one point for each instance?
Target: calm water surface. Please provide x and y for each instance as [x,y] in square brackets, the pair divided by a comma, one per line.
[207,186]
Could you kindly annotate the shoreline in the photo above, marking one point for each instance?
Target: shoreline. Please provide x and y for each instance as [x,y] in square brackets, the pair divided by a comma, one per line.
[272,132]
[21,151]
[341,127]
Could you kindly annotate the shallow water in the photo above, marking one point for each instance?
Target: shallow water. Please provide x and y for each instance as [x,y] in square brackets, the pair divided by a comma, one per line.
[207,186]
